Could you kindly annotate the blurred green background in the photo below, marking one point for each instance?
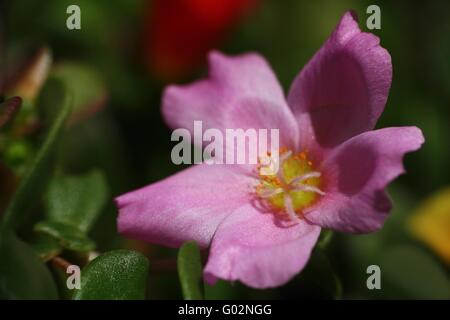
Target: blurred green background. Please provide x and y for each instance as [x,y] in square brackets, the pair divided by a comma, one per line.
[130,143]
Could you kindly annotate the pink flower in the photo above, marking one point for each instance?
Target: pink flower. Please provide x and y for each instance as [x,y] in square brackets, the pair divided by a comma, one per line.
[335,167]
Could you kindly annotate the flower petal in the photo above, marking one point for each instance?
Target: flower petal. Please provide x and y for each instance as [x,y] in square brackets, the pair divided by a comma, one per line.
[342,91]
[186,206]
[355,175]
[240,92]
[254,248]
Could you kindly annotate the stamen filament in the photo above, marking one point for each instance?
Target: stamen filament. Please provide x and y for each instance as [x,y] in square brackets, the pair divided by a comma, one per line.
[306,176]
[282,159]
[290,208]
[304,187]
[270,193]
[285,156]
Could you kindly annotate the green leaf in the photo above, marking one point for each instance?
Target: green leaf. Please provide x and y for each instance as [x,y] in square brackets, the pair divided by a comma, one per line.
[69,237]
[73,205]
[37,174]
[89,89]
[115,275]
[410,272]
[190,271]
[46,247]
[22,274]
[77,200]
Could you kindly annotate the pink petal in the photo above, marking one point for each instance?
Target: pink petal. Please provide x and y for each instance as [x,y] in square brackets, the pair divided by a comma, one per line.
[240,92]
[356,174]
[186,206]
[342,91]
[254,248]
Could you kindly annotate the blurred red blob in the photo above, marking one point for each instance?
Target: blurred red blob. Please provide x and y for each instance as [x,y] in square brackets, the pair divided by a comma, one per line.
[179,33]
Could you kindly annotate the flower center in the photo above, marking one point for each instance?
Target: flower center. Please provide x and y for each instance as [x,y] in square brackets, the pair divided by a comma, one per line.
[293,188]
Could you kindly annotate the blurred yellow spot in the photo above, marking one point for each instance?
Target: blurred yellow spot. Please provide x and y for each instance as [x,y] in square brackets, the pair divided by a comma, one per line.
[431,223]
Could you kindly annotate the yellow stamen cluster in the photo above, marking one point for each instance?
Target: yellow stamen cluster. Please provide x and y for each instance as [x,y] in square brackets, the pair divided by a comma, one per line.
[293,188]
